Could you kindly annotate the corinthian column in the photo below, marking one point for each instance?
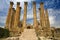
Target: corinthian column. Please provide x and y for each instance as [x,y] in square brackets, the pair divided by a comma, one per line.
[40,17]
[9,16]
[25,14]
[48,30]
[12,18]
[42,14]
[17,15]
[34,15]
[47,18]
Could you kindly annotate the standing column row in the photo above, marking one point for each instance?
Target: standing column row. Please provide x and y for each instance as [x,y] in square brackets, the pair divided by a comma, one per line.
[47,18]
[47,23]
[34,15]
[9,16]
[12,18]
[42,15]
[25,15]
[17,15]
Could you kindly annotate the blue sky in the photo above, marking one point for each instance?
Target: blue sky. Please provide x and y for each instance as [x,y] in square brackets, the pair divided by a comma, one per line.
[53,7]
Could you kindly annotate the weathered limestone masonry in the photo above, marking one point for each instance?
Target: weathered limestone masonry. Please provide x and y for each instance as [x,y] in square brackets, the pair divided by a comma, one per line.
[44,21]
[34,15]
[12,19]
[40,17]
[17,16]
[25,15]
[13,15]
[42,14]
[9,16]
[47,19]
[15,21]
[12,22]
[48,30]
[28,34]
[43,32]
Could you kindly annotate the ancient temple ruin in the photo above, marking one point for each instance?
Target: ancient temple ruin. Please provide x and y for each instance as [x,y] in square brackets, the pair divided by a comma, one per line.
[16,27]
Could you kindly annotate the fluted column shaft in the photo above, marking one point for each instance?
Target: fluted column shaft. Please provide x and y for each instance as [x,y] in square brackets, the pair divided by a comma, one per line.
[25,14]
[9,16]
[34,15]
[17,15]
[40,17]
[47,18]
[42,14]
[12,18]
[48,30]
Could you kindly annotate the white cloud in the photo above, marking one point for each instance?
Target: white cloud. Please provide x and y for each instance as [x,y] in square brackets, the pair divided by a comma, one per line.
[53,14]
[30,14]
[53,11]
[52,19]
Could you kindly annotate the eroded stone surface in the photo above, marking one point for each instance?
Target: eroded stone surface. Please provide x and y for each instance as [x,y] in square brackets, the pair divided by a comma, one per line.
[43,38]
[28,34]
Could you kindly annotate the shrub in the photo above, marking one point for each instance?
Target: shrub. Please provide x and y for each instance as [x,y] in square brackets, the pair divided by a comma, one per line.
[4,33]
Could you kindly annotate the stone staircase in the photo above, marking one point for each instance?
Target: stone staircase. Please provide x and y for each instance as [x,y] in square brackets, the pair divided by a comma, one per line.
[28,34]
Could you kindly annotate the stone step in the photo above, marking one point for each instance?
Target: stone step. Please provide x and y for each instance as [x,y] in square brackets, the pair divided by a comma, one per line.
[28,34]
